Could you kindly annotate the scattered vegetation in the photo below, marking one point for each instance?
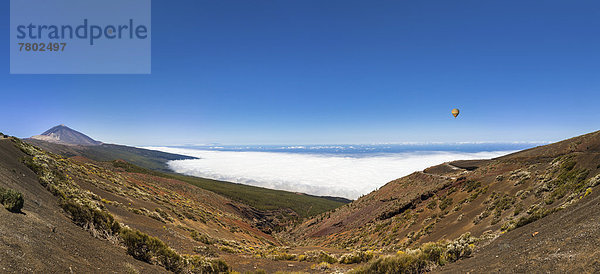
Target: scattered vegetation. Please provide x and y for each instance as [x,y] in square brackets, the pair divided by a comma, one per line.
[471,185]
[432,205]
[201,237]
[258,197]
[265,199]
[356,257]
[318,256]
[322,266]
[147,248]
[425,258]
[569,179]
[87,210]
[445,203]
[99,222]
[152,250]
[11,200]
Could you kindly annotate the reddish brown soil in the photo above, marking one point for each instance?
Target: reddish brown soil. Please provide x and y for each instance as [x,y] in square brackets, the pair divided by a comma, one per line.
[567,241]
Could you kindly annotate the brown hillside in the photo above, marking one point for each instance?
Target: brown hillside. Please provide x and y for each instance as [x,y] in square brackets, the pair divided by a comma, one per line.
[199,225]
[445,201]
[566,241]
[43,239]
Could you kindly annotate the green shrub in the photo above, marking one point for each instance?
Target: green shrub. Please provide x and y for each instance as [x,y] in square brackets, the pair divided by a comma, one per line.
[401,263]
[164,215]
[432,205]
[536,215]
[152,250]
[427,257]
[12,200]
[569,179]
[433,252]
[91,218]
[200,237]
[140,245]
[518,209]
[445,203]
[318,256]
[460,248]
[471,185]
[149,249]
[198,264]
[356,257]
[36,168]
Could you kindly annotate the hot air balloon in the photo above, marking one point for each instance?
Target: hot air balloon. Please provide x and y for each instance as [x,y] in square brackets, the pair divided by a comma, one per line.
[455,112]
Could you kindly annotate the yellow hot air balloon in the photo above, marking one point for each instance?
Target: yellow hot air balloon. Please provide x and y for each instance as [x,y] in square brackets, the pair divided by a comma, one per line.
[455,112]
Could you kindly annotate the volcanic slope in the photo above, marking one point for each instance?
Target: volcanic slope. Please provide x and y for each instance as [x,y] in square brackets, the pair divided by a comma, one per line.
[83,215]
[486,198]
[261,198]
[62,134]
[42,238]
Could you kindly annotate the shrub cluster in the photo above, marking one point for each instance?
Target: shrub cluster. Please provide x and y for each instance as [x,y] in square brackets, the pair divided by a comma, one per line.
[147,248]
[356,257]
[12,200]
[318,256]
[152,250]
[86,211]
[427,257]
[95,220]
[201,237]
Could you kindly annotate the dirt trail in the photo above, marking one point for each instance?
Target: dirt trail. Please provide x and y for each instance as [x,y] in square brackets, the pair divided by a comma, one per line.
[445,166]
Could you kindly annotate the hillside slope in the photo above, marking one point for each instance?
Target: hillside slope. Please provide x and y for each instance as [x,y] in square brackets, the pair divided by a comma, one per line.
[42,238]
[566,241]
[113,205]
[481,197]
[155,160]
[261,198]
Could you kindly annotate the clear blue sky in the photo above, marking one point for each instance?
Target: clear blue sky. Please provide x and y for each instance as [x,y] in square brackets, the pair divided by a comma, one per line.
[305,72]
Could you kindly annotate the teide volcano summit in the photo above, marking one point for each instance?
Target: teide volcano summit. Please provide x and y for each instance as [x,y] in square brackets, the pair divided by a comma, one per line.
[64,135]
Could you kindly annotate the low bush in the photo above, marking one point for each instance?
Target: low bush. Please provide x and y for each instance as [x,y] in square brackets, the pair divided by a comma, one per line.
[471,185]
[205,251]
[401,263]
[91,218]
[459,248]
[323,266]
[138,244]
[318,256]
[427,257]
[12,200]
[356,257]
[432,205]
[150,249]
[197,264]
[200,237]
[433,252]
[536,215]
[445,203]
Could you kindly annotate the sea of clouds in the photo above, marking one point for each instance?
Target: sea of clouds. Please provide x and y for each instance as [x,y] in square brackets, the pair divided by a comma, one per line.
[316,174]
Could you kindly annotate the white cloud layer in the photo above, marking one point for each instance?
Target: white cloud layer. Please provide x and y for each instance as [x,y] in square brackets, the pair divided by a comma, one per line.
[331,175]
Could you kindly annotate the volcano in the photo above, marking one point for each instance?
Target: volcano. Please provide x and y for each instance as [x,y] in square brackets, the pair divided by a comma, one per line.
[62,134]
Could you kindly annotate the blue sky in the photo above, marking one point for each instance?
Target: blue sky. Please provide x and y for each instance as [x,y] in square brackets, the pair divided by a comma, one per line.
[318,72]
